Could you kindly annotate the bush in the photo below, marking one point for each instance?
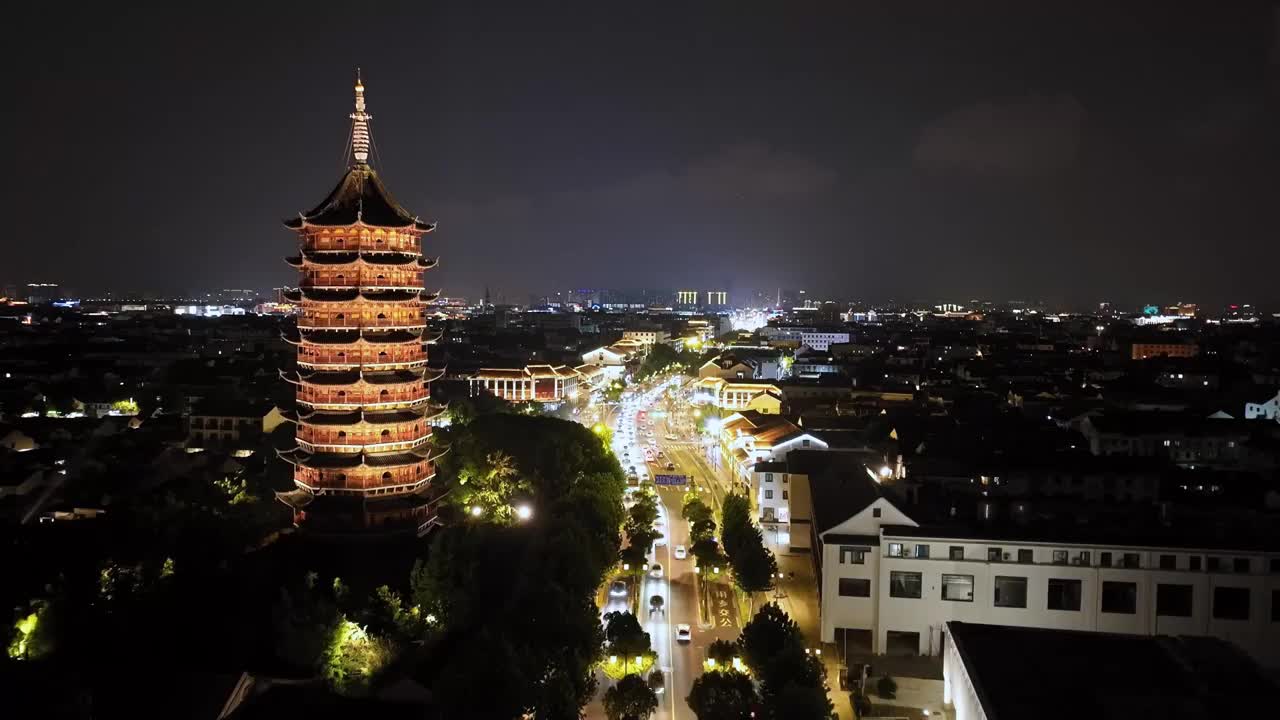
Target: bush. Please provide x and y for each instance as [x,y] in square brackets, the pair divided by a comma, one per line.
[887,688]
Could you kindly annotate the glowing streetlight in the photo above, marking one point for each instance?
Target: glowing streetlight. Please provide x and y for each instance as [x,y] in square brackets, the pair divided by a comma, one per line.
[711,662]
[717,569]
[524,512]
[626,566]
[598,429]
[613,659]
[697,570]
[885,471]
[639,660]
[476,511]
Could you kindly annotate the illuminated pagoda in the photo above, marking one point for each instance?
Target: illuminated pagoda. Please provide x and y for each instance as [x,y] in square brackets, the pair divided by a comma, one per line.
[363,462]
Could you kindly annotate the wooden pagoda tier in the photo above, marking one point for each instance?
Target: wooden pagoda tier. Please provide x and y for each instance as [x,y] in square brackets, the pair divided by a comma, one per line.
[363,462]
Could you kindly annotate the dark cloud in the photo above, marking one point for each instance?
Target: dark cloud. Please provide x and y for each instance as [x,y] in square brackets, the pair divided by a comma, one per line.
[1017,137]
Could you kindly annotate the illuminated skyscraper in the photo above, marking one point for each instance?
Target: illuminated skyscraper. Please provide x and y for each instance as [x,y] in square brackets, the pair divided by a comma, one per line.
[363,460]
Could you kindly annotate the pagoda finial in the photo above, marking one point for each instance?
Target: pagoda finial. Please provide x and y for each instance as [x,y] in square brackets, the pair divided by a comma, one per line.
[360,126]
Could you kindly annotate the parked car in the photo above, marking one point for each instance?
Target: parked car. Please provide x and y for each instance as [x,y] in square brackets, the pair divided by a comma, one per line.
[681,553]
[684,633]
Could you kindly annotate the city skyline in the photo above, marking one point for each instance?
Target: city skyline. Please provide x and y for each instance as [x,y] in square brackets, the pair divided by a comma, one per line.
[907,153]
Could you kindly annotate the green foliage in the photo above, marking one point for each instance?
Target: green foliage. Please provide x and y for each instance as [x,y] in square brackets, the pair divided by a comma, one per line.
[722,651]
[125,407]
[799,702]
[766,636]
[754,567]
[630,699]
[722,695]
[887,687]
[614,390]
[491,483]
[695,510]
[624,636]
[353,658]
[792,682]
[515,603]
[33,633]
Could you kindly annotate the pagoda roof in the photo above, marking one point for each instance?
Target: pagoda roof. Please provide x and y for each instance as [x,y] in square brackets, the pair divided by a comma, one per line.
[358,459]
[352,294]
[359,198]
[351,377]
[329,336]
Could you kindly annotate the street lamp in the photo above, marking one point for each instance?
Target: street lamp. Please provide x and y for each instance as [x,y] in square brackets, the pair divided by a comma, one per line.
[524,512]
[476,511]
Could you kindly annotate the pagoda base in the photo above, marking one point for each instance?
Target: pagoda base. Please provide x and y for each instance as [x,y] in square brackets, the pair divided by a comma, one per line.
[347,516]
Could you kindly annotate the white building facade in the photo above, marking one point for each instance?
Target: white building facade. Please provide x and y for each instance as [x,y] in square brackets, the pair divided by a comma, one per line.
[1269,410]
[883,575]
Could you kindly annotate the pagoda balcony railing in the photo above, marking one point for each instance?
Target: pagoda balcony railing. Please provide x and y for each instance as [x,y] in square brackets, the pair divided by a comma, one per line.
[379,490]
[388,405]
[402,364]
[359,323]
[357,285]
[356,447]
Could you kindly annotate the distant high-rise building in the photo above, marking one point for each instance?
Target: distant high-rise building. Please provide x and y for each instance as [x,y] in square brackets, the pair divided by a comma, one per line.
[363,461]
[717,298]
[687,297]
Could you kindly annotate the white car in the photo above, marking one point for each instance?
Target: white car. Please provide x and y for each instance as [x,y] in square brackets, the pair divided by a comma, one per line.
[681,553]
[684,633]
[618,589]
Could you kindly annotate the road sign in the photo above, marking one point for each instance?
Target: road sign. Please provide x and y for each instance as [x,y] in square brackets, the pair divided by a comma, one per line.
[670,480]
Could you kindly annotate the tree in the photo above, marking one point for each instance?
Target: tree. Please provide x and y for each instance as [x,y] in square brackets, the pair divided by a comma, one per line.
[722,695]
[491,485]
[723,652]
[630,699]
[766,636]
[694,509]
[624,635]
[754,567]
[799,702]
[735,520]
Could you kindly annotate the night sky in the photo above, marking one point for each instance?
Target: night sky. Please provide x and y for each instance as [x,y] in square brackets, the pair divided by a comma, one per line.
[947,152]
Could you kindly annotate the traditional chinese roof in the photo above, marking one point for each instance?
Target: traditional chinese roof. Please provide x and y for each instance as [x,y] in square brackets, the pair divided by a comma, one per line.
[372,336]
[351,294]
[298,456]
[351,377]
[359,198]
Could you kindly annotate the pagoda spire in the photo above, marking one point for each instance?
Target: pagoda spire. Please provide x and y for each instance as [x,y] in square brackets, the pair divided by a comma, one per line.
[360,126]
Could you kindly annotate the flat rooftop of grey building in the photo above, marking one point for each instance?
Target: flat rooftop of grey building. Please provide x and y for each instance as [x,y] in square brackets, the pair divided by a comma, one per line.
[1046,674]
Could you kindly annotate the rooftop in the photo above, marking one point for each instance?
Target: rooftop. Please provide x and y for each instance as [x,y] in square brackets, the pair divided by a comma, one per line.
[1021,672]
[360,197]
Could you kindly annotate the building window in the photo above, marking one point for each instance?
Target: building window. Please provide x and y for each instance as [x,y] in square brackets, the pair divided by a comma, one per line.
[1064,594]
[922,551]
[1010,592]
[895,550]
[875,512]
[855,587]
[1083,558]
[768,494]
[1168,562]
[994,554]
[768,477]
[1215,564]
[852,555]
[1240,565]
[1026,556]
[1173,600]
[1120,597]
[1130,560]
[805,442]
[1104,559]
[958,588]
[1194,561]
[1231,603]
[1059,557]
[904,584]
[957,552]
[784,495]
